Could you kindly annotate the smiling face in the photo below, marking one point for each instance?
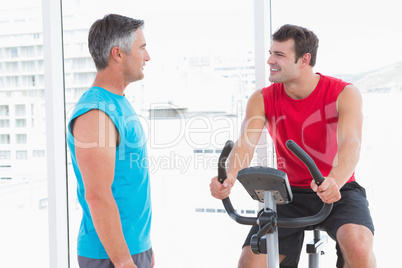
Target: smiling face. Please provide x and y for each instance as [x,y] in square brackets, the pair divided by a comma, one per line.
[282,62]
[135,60]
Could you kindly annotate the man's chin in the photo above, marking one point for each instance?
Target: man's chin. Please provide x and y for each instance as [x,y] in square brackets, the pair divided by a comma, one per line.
[272,79]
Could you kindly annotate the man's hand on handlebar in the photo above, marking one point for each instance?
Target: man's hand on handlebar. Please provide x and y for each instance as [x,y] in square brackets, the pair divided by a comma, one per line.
[328,191]
[221,191]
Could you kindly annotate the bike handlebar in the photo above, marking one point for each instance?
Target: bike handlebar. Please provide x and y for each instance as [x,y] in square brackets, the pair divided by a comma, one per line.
[222,160]
[280,222]
[307,160]
[221,178]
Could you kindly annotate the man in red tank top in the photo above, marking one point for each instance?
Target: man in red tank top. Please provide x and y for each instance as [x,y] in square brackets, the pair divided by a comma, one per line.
[324,116]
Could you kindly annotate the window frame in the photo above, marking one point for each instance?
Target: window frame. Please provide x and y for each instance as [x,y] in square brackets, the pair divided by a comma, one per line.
[56,149]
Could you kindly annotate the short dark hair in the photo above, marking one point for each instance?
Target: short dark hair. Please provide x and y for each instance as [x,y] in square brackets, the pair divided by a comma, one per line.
[305,40]
[111,31]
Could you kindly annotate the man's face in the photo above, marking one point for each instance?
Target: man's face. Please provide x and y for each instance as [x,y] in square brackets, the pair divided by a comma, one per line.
[134,61]
[281,62]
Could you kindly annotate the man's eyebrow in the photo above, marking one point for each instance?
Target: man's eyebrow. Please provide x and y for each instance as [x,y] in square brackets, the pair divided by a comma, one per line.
[144,45]
[277,52]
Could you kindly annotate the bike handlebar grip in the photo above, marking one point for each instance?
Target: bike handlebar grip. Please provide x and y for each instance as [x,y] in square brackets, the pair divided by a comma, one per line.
[307,160]
[221,178]
[222,160]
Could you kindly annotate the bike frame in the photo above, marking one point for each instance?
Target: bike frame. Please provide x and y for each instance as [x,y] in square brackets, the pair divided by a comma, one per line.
[253,180]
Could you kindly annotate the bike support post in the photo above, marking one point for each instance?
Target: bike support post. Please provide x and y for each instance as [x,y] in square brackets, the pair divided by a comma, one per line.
[314,249]
[272,238]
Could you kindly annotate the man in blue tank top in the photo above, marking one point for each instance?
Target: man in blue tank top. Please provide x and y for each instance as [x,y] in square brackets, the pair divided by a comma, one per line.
[104,137]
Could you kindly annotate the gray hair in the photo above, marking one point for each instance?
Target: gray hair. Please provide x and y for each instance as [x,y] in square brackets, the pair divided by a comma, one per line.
[111,31]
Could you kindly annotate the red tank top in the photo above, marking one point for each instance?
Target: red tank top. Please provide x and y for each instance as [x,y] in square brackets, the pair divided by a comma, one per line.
[311,122]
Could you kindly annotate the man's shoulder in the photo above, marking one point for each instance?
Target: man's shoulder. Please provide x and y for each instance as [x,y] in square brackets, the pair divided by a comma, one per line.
[332,79]
[257,96]
[272,89]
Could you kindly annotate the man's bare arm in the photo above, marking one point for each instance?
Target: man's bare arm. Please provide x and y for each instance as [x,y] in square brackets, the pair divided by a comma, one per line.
[243,149]
[95,146]
[350,123]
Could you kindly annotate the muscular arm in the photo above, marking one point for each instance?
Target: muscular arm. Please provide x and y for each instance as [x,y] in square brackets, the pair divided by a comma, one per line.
[243,149]
[95,146]
[349,135]
[350,122]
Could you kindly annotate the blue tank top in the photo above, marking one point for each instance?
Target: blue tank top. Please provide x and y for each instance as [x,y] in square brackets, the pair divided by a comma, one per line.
[131,185]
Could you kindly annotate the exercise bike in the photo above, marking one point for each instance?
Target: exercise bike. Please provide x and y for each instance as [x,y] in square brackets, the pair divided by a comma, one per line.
[271,187]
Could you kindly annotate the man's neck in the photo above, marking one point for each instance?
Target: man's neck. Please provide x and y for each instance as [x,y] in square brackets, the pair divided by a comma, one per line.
[302,87]
[110,82]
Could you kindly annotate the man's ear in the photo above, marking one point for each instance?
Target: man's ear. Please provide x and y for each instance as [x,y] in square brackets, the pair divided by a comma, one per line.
[116,53]
[306,59]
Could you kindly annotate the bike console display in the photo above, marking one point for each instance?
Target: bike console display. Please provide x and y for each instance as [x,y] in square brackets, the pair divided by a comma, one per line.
[257,180]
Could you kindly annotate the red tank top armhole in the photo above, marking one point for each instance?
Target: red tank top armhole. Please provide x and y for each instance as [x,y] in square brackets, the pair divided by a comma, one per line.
[266,94]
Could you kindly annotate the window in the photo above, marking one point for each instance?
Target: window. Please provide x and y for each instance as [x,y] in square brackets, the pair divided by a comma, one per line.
[14,52]
[21,138]
[33,80]
[201,52]
[21,154]
[38,153]
[28,51]
[12,82]
[23,181]
[343,52]
[12,67]
[29,66]
[4,110]
[178,104]
[20,123]
[5,155]
[4,138]
[4,123]
[20,109]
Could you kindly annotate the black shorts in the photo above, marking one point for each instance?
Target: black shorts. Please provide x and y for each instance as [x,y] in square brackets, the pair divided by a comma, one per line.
[351,208]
